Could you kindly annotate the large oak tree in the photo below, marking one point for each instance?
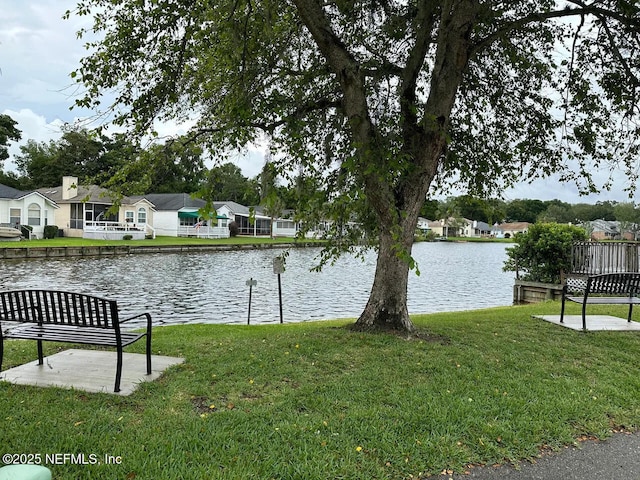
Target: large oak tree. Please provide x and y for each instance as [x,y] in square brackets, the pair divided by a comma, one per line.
[380,99]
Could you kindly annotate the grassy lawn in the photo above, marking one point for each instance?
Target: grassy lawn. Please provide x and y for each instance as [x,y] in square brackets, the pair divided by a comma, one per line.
[318,401]
[84,242]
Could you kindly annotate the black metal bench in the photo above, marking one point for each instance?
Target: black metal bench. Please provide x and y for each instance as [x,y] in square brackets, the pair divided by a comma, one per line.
[604,289]
[56,316]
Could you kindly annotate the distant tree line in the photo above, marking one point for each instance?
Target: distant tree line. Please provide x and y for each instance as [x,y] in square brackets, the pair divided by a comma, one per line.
[494,210]
[179,167]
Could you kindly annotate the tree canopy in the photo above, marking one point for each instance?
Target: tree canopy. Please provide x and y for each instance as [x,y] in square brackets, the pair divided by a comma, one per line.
[378,101]
[8,133]
[78,152]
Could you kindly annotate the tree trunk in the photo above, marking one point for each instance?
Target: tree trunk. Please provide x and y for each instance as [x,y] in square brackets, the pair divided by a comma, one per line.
[396,202]
[387,305]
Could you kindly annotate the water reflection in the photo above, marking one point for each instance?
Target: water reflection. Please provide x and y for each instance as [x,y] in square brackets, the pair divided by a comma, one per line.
[211,287]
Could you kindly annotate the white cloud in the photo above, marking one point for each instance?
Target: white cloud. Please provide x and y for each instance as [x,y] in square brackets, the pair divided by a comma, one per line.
[33,127]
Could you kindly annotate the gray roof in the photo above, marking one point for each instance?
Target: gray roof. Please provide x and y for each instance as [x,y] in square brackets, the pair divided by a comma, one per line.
[86,193]
[173,201]
[233,206]
[484,227]
[12,193]
[15,194]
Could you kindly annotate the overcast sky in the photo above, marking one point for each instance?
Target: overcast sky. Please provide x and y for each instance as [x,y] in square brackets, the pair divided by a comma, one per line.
[38,51]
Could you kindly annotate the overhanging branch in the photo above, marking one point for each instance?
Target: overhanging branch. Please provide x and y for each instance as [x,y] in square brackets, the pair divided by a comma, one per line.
[582,10]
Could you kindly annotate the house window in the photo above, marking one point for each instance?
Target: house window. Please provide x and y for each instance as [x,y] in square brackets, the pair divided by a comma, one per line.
[288,224]
[76,219]
[34,214]
[128,216]
[142,215]
[15,216]
[88,212]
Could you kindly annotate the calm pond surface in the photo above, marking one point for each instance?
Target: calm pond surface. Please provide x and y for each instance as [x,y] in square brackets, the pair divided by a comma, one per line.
[210,287]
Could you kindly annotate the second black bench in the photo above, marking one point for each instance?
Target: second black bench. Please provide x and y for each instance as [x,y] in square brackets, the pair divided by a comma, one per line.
[604,289]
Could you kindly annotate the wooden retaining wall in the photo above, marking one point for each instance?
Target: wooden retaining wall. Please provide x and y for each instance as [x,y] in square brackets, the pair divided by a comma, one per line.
[534,292]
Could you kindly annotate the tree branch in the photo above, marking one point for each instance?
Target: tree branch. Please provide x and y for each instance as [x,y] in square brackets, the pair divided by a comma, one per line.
[425,19]
[269,128]
[583,10]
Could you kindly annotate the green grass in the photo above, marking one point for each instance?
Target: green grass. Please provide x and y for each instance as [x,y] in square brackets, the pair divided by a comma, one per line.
[319,401]
[84,242]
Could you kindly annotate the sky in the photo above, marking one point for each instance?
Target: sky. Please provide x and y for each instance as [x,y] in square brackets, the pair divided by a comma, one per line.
[39,50]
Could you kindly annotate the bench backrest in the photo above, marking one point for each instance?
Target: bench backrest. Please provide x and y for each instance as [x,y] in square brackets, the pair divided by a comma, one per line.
[56,307]
[614,283]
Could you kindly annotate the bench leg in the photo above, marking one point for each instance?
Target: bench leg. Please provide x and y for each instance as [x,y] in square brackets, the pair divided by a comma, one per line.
[149,353]
[116,388]
[1,350]
[584,316]
[40,357]
[562,310]
[630,312]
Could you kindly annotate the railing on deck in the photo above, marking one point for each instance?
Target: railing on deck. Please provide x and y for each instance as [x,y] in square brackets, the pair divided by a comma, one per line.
[203,231]
[120,227]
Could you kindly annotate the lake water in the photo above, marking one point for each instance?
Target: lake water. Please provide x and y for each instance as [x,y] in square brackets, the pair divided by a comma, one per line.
[210,287]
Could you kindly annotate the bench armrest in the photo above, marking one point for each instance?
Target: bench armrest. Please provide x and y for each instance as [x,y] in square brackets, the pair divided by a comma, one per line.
[146,314]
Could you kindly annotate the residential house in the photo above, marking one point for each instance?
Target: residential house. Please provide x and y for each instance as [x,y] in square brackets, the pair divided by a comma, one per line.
[605,230]
[450,227]
[251,221]
[423,224]
[285,225]
[30,208]
[479,229]
[84,211]
[180,215]
[508,230]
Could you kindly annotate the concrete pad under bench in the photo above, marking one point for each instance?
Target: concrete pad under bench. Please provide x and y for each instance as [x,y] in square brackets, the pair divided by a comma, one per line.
[594,322]
[89,370]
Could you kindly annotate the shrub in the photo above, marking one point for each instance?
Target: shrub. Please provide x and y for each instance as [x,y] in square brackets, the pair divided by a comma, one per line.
[127,237]
[50,231]
[233,229]
[421,236]
[543,252]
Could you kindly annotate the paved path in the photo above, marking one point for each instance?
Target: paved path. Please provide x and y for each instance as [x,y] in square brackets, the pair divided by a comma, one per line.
[617,458]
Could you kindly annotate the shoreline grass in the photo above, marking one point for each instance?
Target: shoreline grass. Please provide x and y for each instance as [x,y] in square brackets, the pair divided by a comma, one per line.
[317,400]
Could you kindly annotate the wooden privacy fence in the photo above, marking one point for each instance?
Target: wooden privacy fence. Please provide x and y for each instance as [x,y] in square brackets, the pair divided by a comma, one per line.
[594,258]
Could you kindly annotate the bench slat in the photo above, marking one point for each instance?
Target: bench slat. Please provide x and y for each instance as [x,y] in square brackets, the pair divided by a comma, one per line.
[607,300]
[86,335]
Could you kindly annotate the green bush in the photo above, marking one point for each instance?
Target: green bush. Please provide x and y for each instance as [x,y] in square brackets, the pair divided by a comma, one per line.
[233,229]
[127,237]
[50,231]
[543,252]
[421,236]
